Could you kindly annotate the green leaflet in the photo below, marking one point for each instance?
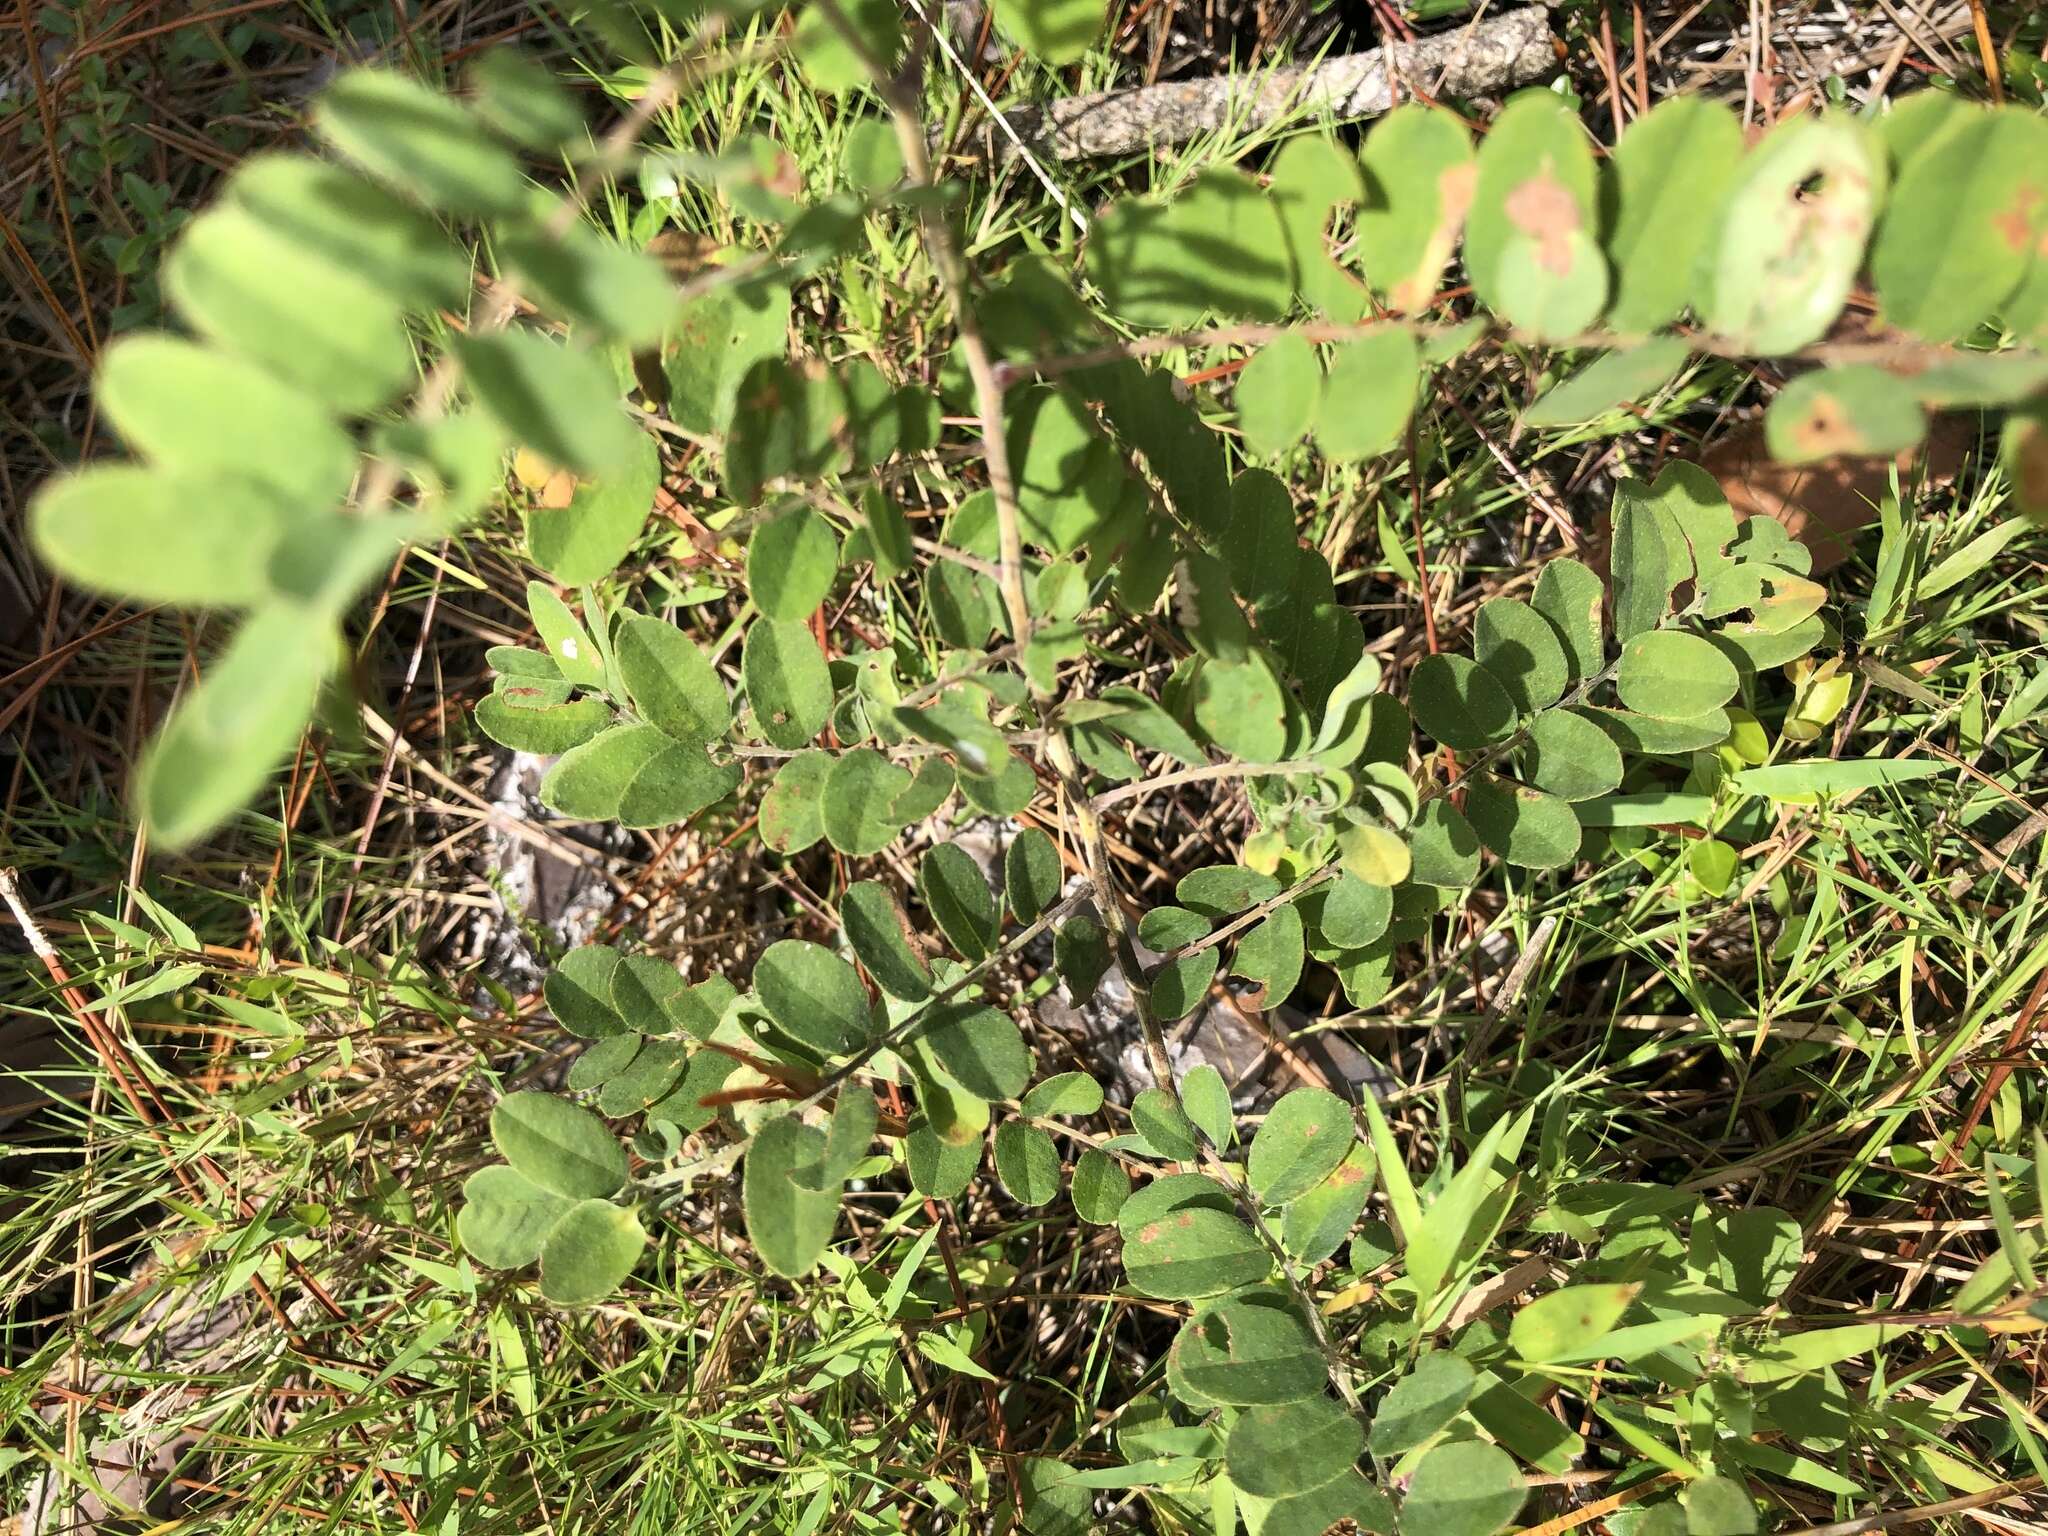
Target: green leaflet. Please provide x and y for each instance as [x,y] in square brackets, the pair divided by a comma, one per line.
[637,776]
[788,683]
[788,1224]
[670,682]
[1671,169]
[420,141]
[1218,248]
[585,541]
[589,1253]
[558,1146]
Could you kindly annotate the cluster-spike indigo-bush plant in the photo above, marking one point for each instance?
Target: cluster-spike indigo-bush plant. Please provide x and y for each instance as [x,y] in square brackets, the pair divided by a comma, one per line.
[291,443]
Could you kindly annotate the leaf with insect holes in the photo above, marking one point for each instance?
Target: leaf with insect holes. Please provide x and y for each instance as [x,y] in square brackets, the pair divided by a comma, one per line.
[1613,379]
[1244,1352]
[1418,170]
[191,409]
[1271,953]
[791,562]
[1191,1252]
[1368,394]
[1524,826]
[1277,395]
[1569,756]
[1100,1187]
[877,932]
[1855,409]
[1963,223]
[1216,248]
[1303,1138]
[788,1225]
[560,1146]
[791,810]
[980,1049]
[228,735]
[1518,646]
[1670,169]
[1529,240]
[815,996]
[1028,1163]
[1444,848]
[669,680]
[1315,1224]
[1673,675]
[1286,1449]
[584,541]
[556,399]
[788,683]
[1422,1402]
[1032,874]
[506,1217]
[637,776]
[589,1253]
[608,289]
[1790,234]
[1459,702]
[1465,1488]
[956,894]
[300,313]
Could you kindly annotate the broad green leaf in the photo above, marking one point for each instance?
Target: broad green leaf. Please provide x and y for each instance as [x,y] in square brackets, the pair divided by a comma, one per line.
[1652,737]
[187,408]
[420,141]
[1524,1428]
[1808,782]
[1671,169]
[1286,1449]
[956,894]
[1465,1488]
[1245,1351]
[506,1217]
[1565,1322]
[1032,874]
[1301,1141]
[1791,234]
[847,1138]
[1718,1506]
[315,323]
[1753,1253]
[1529,240]
[320,207]
[788,683]
[1569,756]
[1068,475]
[1344,1504]
[1314,1225]
[1962,224]
[456,463]
[1100,1187]
[1348,912]
[568,644]
[960,729]
[715,338]
[1912,121]
[585,541]
[1655,809]
[1205,1100]
[1443,846]
[556,399]
[195,539]
[1224,890]
[1422,1402]
[814,996]
[705,1075]
[1171,1193]
[648,1078]
[1524,826]
[1218,248]
[1713,863]
[549,730]
[980,1049]
[1207,611]
[1520,648]
[785,422]
[1160,1118]
[1673,675]
[603,1060]
[1651,556]
[1241,707]
[1616,378]
[1143,721]
[589,1253]
[637,776]
[516,95]
[879,935]
[1459,702]
[1271,953]
[1196,1252]
[1081,955]
[1368,394]
[620,294]
[792,809]
[791,562]
[1856,409]
[1027,1162]
[671,684]
[1312,179]
[788,1225]
[1064,1095]
[1418,170]
[829,61]
[228,735]
[929,787]
[1277,395]
[579,991]
[560,1146]
[938,1168]
[1572,597]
